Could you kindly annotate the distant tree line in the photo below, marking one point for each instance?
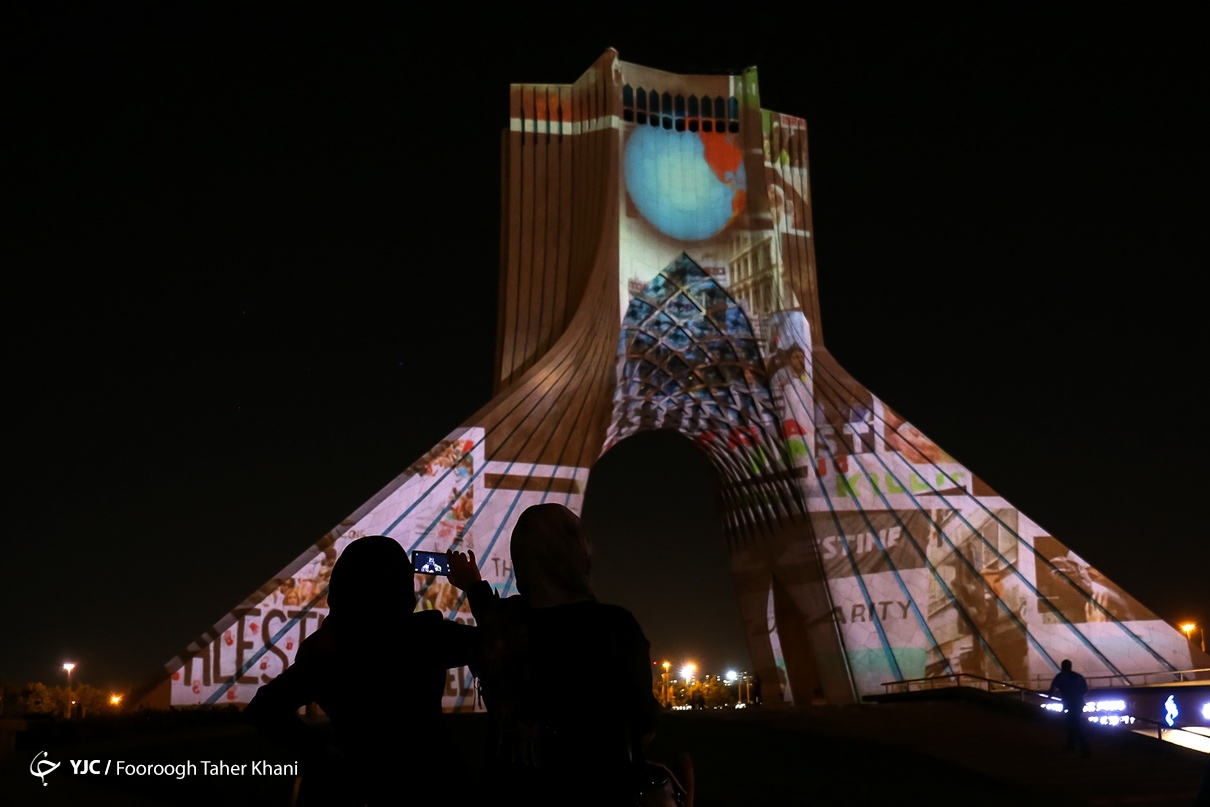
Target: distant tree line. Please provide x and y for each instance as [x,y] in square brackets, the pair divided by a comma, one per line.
[53,701]
[709,693]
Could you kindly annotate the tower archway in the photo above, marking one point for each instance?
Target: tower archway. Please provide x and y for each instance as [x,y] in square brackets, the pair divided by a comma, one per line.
[690,362]
[652,507]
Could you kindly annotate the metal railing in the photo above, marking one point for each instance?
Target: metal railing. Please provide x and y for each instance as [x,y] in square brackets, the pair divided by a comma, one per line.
[957,680]
[1025,692]
[1149,678]
[1041,683]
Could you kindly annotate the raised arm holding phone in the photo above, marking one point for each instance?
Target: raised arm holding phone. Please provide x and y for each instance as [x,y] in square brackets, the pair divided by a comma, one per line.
[547,748]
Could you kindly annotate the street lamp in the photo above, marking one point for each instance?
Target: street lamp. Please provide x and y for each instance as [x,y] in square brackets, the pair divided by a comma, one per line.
[733,677]
[687,673]
[1189,627]
[666,665]
[69,666]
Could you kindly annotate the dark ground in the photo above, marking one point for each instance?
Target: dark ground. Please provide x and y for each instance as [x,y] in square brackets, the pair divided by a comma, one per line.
[905,753]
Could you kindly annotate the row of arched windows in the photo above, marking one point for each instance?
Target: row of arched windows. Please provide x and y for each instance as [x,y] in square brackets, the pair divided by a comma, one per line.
[694,114]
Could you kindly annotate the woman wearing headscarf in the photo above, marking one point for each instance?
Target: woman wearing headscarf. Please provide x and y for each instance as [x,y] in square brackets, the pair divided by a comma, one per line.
[377,668]
[567,679]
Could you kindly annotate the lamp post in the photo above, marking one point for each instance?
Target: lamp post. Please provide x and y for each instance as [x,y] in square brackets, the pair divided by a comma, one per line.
[1189,627]
[687,673]
[666,665]
[734,678]
[69,666]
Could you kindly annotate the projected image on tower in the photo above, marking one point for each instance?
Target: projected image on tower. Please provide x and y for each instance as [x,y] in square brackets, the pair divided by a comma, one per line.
[691,188]
[881,555]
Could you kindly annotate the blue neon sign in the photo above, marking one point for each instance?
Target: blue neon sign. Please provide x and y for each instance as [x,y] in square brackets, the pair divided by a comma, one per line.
[1173,712]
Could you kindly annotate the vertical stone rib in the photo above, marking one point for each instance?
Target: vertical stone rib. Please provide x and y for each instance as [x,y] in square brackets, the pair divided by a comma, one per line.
[507,247]
[535,272]
[525,268]
[551,268]
[564,207]
[509,301]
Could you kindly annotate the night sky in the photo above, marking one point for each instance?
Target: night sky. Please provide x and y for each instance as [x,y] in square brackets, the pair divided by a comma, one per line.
[250,270]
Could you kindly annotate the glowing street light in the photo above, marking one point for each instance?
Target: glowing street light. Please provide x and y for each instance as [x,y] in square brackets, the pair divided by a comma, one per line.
[69,666]
[732,677]
[115,700]
[1189,627]
[740,695]
[687,673]
[666,665]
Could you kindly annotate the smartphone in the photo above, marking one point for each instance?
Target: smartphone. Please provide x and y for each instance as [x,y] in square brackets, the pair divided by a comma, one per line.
[430,562]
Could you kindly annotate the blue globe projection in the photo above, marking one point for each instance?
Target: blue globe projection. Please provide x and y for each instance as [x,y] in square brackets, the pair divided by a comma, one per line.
[689,185]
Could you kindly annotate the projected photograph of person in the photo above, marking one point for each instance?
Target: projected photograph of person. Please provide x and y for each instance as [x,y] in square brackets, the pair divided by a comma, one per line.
[786,207]
[307,585]
[785,140]
[436,594]
[983,591]
[791,383]
[1077,591]
[446,455]
[909,441]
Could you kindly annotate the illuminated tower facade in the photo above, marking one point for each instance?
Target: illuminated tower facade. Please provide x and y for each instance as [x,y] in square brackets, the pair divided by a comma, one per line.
[658,272]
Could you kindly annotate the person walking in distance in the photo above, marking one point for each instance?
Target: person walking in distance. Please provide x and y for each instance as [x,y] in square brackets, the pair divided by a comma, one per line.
[1072,688]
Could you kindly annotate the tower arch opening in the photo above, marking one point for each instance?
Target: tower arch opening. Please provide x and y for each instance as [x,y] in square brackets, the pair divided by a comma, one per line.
[653,508]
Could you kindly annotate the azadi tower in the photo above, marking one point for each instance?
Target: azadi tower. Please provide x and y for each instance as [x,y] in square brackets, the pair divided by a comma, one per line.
[657,271]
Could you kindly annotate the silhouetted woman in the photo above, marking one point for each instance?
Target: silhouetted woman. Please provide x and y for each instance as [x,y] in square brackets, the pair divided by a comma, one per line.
[566,679]
[378,671]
